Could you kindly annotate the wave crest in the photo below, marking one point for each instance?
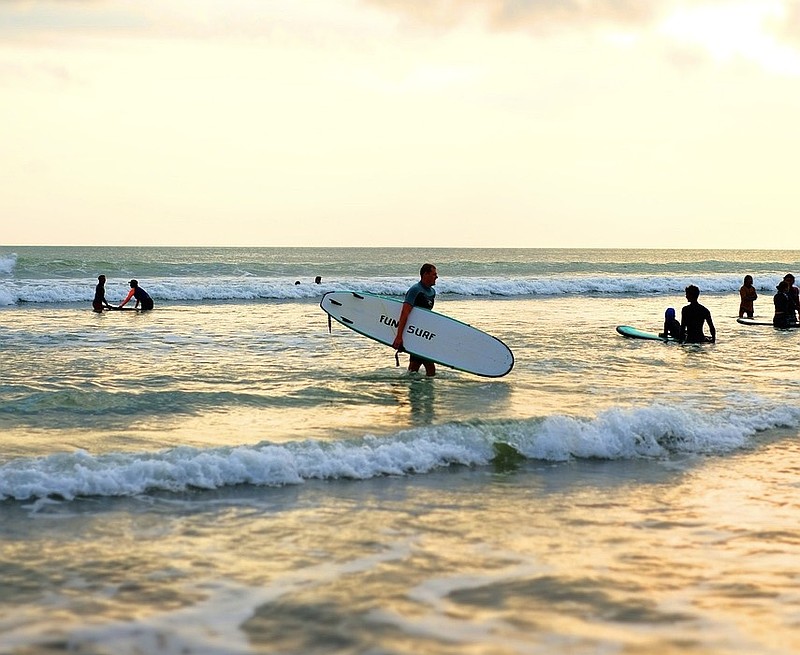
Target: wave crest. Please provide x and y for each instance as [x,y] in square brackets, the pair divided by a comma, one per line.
[655,431]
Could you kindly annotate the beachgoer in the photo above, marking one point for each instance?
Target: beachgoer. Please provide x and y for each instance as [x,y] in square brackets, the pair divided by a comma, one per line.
[318,280]
[794,295]
[421,294]
[672,328]
[747,294]
[784,308]
[141,296]
[693,316]
[100,301]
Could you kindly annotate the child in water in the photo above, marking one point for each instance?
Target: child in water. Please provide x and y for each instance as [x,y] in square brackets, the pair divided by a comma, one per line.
[672,327]
[747,294]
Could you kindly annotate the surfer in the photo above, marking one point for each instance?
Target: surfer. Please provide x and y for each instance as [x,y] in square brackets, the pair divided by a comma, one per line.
[693,316]
[100,301]
[784,307]
[794,296]
[421,294]
[672,329]
[142,297]
[747,294]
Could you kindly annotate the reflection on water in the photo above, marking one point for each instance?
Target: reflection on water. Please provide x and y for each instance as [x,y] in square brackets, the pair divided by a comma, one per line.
[451,396]
[421,395]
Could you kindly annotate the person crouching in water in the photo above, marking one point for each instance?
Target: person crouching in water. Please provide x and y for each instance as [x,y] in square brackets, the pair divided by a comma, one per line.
[100,302]
[672,329]
[142,298]
[784,307]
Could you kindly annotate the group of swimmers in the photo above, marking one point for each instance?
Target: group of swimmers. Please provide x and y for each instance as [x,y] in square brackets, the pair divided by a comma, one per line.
[143,299]
[693,316]
[786,301]
[688,330]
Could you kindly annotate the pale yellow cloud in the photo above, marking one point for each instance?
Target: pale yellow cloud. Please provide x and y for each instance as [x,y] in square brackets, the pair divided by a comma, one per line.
[345,123]
[526,14]
[751,31]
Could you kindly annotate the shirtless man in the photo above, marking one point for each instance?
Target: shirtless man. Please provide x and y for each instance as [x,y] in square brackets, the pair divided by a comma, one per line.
[99,302]
[693,316]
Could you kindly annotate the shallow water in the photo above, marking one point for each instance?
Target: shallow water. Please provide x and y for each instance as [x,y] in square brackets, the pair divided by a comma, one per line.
[226,476]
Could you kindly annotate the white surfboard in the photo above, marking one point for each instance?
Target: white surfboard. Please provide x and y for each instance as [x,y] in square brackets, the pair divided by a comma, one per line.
[428,334]
[755,321]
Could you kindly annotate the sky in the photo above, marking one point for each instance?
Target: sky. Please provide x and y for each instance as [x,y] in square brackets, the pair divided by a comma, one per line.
[443,123]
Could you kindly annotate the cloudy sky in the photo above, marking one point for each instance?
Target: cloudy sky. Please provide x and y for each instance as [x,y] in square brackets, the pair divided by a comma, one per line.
[532,123]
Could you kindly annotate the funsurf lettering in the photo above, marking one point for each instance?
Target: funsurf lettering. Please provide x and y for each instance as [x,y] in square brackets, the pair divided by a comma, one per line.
[420,332]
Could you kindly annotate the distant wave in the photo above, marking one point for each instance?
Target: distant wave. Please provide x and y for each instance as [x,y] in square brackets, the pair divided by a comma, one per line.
[7,264]
[647,432]
[255,288]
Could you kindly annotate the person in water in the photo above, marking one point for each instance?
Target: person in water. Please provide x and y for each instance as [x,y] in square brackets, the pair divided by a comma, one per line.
[784,307]
[672,328]
[142,298]
[421,294]
[747,294]
[693,316]
[100,302]
[794,295]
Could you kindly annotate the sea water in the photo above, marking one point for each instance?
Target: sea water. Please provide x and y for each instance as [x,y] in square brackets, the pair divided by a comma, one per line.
[226,474]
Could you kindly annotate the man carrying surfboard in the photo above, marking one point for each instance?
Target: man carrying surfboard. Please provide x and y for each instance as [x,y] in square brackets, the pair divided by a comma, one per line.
[421,294]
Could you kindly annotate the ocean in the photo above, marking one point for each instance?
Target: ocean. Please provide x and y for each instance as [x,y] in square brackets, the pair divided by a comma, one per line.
[227,474]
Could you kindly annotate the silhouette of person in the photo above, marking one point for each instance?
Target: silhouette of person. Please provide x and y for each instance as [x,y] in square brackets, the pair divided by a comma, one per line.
[672,328]
[142,297]
[794,295]
[747,294]
[100,301]
[693,316]
[784,307]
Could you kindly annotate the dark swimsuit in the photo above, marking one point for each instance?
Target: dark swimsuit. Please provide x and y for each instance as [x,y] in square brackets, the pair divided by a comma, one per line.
[420,296]
[145,301]
[692,318]
[99,298]
[672,329]
[783,310]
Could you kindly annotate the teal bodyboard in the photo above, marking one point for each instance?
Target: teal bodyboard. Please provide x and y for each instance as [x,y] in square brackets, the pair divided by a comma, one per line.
[636,333]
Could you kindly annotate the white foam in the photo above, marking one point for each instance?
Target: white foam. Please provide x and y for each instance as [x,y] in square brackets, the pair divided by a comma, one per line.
[653,431]
[255,288]
[6,298]
[7,263]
